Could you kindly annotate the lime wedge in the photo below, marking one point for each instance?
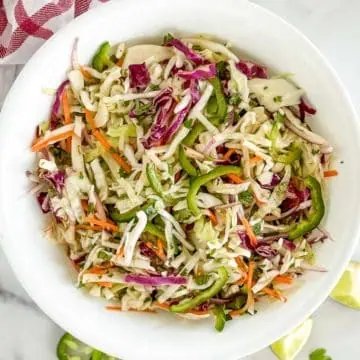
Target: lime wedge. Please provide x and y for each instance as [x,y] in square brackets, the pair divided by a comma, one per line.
[290,345]
[347,290]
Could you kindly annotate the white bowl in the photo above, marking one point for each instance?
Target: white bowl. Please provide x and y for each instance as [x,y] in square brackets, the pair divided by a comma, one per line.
[41,266]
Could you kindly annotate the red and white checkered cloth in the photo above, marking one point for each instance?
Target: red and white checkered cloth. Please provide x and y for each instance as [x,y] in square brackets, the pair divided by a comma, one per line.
[26,24]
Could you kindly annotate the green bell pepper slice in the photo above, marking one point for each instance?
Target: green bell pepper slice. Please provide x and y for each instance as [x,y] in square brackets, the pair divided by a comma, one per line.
[101,58]
[316,212]
[220,99]
[204,179]
[220,318]
[125,217]
[185,162]
[155,183]
[155,230]
[204,295]
[99,355]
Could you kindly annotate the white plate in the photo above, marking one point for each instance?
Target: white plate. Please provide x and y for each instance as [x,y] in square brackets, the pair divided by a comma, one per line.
[41,267]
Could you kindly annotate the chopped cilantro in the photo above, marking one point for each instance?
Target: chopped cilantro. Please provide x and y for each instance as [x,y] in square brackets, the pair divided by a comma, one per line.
[257,228]
[167,38]
[246,198]
[235,99]
[201,279]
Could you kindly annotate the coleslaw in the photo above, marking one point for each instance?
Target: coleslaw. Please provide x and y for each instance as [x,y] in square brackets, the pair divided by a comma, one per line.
[182,178]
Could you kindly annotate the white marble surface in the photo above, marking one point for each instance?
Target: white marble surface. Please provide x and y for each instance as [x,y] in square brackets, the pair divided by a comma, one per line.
[333,25]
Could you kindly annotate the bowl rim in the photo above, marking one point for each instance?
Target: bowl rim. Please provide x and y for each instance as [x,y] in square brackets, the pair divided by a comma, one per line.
[103,10]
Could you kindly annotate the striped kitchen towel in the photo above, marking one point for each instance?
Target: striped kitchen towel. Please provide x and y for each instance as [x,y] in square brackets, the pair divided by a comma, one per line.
[26,24]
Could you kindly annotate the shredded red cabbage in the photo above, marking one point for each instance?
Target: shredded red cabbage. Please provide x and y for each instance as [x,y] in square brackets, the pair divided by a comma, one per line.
[146,251]
[164,104]
[139,76]
[261,248]
[194,91]
[304,109]
[265,250]
[57,178]
[44,202]
[294,197]
[274,181]
[252,70]
[54,121]
[151,280]
[190,54]
[289,245]
[200,73]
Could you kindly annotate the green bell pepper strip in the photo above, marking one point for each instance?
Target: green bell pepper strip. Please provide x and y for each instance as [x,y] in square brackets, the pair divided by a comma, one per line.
[185,162]
[70,347]
[316,212]
[220,318]
[204,179]
[204,295]
[125,217]
[220,98]
[155,230]
[102,59]
[155,183]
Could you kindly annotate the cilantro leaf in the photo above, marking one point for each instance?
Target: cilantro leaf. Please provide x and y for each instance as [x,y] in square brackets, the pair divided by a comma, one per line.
[319,354]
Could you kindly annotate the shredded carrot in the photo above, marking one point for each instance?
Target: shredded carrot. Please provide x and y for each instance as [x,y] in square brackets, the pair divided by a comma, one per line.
[159,253]
[250,298]
[124,165]
[108,147]
[96,270]
[240,263]
[249,231]
[67,116]
[85,73]
[198,312]
[160,248]
[228,154]
[330,173]
[283,279]
[85,205]
[41,143]
[255,159]
[120,252]
[274,293]
[212,217]
[120,62]
[104,224]
[119,308]
[235,178]
[105,284]
[88,227]
[103,141]
[89,115]
[163,306]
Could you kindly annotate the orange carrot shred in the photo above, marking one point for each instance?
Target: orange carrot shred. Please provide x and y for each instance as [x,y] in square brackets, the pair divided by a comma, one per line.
[212,217]
[105,284]
[274,293]
[163,306]
[67,115]
[124,165]
[89,115]
[283,279]
[85,205]
[120,252]
[104,224]
[330,173]
[228,154]
[88,227]
[160,249]
[255,159]
[159,253]
[96,270]
[41,143]
[249,231]
[235,178]
[85,73]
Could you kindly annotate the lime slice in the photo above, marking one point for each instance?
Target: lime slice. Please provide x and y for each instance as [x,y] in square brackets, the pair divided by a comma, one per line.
[347,290]
[290,345]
